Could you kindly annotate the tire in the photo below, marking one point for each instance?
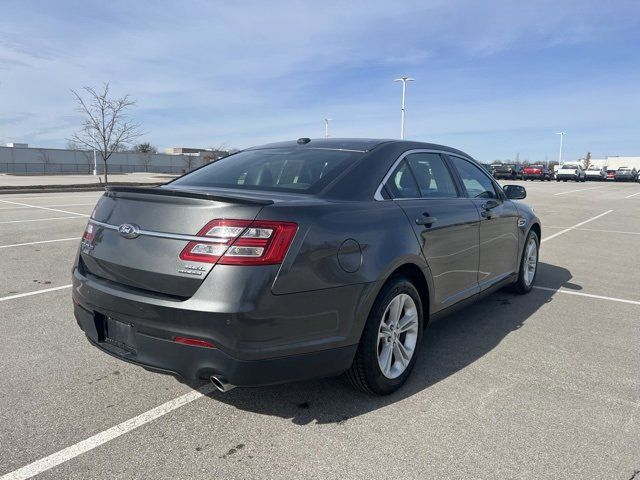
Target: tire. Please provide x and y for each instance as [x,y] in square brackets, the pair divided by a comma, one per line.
[526,277]
[366,372]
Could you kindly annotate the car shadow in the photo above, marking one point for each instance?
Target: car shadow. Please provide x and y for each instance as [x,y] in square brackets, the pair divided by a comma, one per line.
[449,345]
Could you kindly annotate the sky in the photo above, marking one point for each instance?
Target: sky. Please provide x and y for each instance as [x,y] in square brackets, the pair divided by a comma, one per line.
[496,79]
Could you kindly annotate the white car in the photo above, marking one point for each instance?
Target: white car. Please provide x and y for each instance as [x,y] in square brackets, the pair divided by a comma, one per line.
[571,171]
[596,173]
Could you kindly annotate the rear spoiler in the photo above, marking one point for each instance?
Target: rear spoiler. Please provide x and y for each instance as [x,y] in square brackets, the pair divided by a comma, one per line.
[189,194]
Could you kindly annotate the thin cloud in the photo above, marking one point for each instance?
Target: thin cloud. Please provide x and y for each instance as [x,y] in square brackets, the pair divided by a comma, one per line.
[207,73]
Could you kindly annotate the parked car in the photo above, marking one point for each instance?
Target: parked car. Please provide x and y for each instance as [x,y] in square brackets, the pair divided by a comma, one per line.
[596,173]
[537,172]
[571,171]
[508,172]
[611,174]
[298,260]
[626,174]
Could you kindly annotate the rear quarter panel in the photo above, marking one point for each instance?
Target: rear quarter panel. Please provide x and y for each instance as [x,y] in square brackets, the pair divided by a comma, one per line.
[343,243]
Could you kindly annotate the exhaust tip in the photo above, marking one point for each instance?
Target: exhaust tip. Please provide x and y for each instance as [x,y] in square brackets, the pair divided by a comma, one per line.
[221,384]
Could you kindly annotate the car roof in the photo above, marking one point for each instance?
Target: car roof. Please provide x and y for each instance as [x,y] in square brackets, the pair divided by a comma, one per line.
[356,144]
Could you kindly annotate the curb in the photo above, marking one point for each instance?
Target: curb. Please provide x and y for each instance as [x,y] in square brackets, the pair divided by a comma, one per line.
[95,187]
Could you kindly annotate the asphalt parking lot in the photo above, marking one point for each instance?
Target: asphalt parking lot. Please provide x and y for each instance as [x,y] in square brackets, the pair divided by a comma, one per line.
[545,385]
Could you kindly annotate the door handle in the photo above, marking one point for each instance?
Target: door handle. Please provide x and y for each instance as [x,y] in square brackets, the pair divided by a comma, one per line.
[486,208]
[426,220]
[489,204]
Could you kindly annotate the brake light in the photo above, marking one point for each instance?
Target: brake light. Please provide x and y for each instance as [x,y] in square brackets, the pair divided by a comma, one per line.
[241,242]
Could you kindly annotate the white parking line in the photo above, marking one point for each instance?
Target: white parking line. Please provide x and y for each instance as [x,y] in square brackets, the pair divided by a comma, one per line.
[599,297]
[42,241]
[37,292]
[63,205]
[579,190]
[632,195]
[101,438]
[41,219]
[61,196]
[575,226]
[597,230]
[45,208]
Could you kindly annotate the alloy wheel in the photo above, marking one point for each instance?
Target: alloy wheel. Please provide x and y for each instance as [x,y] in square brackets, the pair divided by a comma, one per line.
[531,261]
[397,336]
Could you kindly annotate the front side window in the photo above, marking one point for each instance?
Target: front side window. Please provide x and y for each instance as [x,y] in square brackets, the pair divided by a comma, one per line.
[476,182]
[305,170]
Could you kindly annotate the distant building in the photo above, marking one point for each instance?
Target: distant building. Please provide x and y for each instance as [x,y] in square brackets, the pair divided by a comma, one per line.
[206,154]
[184,151]
[615,162]
[17,145]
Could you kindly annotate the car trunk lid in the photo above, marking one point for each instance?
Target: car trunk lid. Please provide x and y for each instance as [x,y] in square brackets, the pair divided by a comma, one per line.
[137,235]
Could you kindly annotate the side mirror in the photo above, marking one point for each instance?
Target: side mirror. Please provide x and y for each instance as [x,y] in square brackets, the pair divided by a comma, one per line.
[515,192]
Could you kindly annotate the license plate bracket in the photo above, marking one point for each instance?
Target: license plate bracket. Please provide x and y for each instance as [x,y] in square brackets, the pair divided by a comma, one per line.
[120,334]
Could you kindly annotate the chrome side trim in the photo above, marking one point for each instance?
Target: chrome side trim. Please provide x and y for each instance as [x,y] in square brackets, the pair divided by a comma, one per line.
[166,235]
[378,195]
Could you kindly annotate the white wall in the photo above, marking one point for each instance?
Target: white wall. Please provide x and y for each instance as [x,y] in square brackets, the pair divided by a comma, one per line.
[38,161]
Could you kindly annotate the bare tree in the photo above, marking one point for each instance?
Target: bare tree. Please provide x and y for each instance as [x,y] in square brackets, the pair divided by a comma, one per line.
[145,147]
[87,155]
[145,153]
[44,157]
[587,160]
[106,125]
[145,158]
[189,162]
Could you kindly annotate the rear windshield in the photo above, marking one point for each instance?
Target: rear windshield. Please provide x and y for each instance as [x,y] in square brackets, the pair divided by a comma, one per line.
[304,170]
[569,165]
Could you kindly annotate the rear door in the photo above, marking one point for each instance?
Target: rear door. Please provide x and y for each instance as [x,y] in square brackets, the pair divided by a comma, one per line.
[499,248]
[446,224]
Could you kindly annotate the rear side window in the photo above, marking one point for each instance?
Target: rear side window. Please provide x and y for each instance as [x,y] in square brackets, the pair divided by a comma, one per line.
[402,183]
[476,182]
[276,169]
[432,175]
[421,175]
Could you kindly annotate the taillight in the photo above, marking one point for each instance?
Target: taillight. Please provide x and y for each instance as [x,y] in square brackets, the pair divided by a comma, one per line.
[89,232]
[241,242]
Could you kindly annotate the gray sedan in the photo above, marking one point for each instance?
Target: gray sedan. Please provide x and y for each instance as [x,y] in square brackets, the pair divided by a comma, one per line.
[299,259]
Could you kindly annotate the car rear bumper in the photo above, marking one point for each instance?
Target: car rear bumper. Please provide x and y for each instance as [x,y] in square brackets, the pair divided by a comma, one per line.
[250,349]
[192,362]
[567,177]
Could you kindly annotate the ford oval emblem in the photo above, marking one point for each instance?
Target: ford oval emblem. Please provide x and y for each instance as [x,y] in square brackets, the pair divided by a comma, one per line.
[129,230]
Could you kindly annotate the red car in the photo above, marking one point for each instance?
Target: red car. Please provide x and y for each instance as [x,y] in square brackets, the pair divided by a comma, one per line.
[536,172]
[611,174]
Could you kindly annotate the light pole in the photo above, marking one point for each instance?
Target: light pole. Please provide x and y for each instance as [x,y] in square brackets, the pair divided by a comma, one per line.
[326,127]
[404,81]
[562,134]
